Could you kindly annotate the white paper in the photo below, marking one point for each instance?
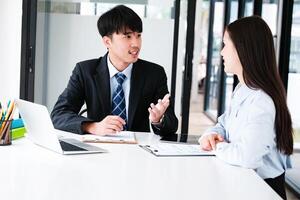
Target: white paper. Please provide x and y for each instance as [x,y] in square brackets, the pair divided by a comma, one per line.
[168,149]
[119,137]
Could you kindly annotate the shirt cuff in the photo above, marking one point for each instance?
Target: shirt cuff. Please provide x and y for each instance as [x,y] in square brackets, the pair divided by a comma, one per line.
[221,145]
[158,124]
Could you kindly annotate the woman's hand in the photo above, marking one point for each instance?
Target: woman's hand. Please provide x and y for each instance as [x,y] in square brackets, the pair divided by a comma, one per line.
[209,142]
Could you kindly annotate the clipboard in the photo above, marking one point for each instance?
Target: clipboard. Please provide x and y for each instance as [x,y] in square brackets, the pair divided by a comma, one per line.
[123,137]
[172,149]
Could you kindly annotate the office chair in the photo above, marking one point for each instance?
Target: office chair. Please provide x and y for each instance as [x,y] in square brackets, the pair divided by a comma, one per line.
[292,176]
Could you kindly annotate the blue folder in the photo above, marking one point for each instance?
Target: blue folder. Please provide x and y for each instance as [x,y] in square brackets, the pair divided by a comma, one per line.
[17,123]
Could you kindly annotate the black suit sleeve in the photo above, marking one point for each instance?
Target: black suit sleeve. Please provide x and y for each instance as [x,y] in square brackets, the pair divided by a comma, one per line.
[170,121]
[65,112]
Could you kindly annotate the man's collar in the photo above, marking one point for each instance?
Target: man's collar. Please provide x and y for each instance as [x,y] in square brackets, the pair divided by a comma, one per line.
[113,70]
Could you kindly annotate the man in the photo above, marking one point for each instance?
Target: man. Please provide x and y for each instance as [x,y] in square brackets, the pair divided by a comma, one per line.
[121,91]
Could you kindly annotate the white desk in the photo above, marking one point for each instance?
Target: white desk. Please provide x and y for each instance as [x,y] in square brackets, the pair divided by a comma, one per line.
[127,172]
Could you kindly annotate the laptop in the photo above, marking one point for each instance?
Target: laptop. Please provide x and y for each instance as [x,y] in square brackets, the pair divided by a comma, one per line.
[41,131]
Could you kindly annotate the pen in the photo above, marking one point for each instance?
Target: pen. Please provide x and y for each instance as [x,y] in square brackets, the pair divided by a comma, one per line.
[10,109]
[7,115]
[5,131]
[0,111]
[0,116]
[8,104]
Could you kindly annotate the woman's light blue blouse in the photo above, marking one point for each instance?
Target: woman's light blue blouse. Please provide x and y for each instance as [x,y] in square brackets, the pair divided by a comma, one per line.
[249,132]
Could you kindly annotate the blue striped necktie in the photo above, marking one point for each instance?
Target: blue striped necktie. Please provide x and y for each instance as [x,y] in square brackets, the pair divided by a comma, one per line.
[118,102]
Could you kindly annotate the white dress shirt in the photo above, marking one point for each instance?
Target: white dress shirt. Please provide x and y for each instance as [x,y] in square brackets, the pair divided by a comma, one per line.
[249,131]
[113,82]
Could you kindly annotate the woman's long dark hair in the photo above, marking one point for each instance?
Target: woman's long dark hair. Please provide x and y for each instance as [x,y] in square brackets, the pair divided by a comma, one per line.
[254,44]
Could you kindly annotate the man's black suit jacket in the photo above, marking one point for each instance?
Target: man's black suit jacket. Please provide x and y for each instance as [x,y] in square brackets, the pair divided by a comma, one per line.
[90,84]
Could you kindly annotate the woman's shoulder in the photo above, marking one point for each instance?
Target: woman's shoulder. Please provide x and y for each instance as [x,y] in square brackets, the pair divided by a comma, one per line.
[260,100]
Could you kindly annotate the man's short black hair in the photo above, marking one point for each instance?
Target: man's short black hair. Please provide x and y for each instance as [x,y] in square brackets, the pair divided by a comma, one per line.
[117,20]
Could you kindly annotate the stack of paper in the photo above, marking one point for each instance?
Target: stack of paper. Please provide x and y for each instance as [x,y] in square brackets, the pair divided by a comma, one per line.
[168,149]
[126,137]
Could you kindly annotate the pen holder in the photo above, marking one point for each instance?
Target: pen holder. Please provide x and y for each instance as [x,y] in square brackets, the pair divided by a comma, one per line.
[5,133]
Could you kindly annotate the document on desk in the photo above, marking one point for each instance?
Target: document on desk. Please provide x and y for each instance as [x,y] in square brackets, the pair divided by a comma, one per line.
[169,149]
[123,137]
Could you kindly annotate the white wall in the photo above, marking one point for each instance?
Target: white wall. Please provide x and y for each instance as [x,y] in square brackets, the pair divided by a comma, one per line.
[10,48]
[71,39]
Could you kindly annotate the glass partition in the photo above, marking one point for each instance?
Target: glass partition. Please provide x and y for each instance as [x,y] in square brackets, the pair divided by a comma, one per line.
[197,122]
[249,8]
[294,72]
[229,77]
[270,15]
[214,80]
[180,58]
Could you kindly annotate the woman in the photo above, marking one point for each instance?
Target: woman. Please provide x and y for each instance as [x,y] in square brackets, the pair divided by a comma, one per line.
[256,131]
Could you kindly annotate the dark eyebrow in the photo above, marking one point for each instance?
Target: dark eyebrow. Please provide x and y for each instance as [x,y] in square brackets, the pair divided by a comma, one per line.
[127,33]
